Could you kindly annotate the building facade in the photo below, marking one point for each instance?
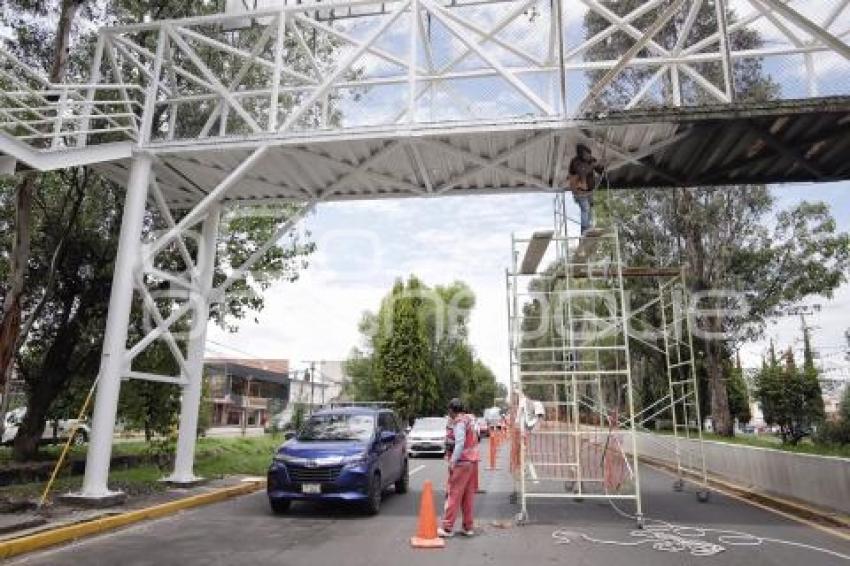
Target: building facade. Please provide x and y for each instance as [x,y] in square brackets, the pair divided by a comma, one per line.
[246,393]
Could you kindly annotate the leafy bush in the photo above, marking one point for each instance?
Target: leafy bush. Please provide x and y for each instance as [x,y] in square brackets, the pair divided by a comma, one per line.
[833,432]
[160,451]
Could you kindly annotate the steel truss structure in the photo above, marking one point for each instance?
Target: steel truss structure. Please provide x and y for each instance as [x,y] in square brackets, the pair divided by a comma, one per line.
[570,326]
[366,99]
[361,99]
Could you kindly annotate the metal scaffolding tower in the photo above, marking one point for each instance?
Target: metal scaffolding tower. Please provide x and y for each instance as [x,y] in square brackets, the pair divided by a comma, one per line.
[570,368]
[570,326]
[664,324]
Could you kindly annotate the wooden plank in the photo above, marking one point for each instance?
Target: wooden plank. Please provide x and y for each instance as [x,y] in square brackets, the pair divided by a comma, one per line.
[534,252]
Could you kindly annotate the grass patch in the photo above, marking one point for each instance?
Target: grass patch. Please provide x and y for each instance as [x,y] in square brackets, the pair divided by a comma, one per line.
[806,446]
[214,458]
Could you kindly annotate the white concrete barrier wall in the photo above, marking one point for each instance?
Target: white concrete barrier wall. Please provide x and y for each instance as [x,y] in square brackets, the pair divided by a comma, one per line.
[823,481]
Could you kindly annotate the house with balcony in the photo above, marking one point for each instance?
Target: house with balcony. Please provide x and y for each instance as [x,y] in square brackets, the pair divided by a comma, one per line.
[246,392]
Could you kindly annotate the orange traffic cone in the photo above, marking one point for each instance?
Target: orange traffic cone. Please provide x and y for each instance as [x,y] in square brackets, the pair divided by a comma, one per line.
[426,533]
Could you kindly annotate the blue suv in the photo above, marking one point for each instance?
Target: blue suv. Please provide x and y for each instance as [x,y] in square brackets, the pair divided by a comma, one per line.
[340,454]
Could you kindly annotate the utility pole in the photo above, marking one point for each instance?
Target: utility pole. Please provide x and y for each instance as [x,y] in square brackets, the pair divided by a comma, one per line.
[245,395]
[312,385]
[322,374]
[310,374]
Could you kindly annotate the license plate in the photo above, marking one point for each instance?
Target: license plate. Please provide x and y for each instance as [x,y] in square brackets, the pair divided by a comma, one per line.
[311,488]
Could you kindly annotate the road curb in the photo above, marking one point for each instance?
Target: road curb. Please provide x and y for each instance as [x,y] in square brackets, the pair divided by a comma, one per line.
[38,541]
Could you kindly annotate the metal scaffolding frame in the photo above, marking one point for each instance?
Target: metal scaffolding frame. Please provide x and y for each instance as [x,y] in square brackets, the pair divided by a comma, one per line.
[570,359]
[570,324]
[681,405]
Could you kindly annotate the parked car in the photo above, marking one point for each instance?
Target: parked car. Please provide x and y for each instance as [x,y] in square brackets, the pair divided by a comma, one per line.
[349,454]
[483,427]
[54,430]
[428,436]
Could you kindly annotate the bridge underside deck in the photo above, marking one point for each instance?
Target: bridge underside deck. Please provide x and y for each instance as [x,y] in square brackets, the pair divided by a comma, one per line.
[797,141]
[775,142]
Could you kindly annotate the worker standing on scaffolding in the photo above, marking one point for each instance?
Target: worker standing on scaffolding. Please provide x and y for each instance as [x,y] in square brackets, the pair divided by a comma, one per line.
[463,456]
[582,178]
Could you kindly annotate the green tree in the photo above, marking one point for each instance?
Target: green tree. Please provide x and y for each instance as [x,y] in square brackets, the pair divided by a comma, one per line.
[844,407]
[422,332]
[720,233]
[299,414]
[205,411]
[61,243]
[403,374]
[738,392]
[360,368]
[809,380]
[788,397]
[837,431]
[482,389]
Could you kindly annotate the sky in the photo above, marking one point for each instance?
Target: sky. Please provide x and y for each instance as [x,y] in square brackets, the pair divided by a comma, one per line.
[364,246]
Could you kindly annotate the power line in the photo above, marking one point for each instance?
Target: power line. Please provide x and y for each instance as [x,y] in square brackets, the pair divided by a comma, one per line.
[250,355]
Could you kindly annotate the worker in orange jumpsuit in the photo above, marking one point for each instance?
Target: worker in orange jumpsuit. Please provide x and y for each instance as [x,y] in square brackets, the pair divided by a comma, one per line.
[463,457]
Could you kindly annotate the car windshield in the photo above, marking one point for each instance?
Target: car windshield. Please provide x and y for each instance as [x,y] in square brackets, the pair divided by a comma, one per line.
[338,427]
[433,424]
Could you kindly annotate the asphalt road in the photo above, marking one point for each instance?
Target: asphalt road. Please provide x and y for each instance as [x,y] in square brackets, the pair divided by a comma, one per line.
[243,531]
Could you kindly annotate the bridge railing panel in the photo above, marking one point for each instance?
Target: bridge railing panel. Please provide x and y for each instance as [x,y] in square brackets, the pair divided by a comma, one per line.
[330,70]
[60,116]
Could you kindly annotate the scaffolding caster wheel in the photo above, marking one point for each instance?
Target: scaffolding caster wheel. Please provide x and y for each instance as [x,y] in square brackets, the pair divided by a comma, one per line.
[639,522]
[703,495]
[679,485]
[521,518]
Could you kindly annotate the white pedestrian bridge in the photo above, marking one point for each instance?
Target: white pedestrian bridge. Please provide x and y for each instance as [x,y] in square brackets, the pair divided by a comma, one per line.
[310,102]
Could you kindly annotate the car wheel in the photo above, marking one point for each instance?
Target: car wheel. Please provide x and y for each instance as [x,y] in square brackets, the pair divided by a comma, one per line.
[373,504]
[80,438]
[404,481]
[280,506]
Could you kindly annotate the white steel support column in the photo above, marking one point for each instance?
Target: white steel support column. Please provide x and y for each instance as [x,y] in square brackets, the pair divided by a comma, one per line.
[112,365]
[191,400]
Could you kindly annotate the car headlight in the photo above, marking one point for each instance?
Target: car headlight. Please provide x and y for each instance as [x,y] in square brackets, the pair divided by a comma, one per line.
[354,459]
[289,459]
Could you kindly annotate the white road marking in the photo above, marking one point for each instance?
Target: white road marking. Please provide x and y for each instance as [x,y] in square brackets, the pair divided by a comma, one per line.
[415,470]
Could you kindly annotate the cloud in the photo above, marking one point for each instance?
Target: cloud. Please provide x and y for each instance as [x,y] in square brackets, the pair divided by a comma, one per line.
[364,246]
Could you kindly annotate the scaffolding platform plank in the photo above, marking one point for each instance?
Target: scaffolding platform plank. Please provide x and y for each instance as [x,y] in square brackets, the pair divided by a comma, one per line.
[534,252]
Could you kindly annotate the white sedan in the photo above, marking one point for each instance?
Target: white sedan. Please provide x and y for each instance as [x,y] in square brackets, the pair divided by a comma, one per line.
[428,436]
